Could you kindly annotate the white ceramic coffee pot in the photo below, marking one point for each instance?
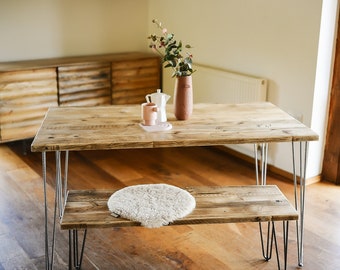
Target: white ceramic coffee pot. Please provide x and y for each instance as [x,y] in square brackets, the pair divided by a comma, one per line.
[160,99]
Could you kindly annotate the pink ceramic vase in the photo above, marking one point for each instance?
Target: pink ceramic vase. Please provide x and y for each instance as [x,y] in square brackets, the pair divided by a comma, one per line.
[183,98]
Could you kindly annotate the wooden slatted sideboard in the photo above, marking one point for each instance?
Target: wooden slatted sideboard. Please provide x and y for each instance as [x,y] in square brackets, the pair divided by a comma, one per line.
[29,88]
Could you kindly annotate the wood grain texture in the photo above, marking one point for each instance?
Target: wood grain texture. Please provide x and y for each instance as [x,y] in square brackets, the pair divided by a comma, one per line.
[132,80]
[228,204]
[331,160]
[25,97]
[85,85]
[117,127]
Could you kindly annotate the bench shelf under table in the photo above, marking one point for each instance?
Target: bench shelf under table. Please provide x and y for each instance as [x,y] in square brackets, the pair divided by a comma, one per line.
[214,204]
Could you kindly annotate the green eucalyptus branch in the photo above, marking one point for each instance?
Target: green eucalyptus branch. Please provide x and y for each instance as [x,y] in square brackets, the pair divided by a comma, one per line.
[172,56]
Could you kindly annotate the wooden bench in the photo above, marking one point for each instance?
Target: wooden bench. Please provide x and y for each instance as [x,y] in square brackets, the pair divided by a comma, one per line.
[228,204]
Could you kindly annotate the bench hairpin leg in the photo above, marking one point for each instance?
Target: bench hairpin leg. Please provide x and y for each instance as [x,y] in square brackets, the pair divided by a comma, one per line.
[74,249]
[276,248]
[285,245]
[285,242]
[271,237]
[267,251]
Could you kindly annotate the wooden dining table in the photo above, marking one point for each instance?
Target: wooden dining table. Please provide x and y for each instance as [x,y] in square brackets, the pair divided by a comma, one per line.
[66,129]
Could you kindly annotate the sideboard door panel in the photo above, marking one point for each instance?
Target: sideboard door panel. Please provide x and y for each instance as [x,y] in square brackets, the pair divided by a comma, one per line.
[132,80]
[86,84]
[25,97]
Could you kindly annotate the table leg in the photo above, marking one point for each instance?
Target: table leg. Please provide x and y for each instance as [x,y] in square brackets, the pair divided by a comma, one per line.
[261,160]
[299,197]
[261,163]
[59,202]
[61,189]
[43,158]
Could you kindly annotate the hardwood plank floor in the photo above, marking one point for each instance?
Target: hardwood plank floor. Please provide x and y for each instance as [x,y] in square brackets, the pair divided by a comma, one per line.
[220,246]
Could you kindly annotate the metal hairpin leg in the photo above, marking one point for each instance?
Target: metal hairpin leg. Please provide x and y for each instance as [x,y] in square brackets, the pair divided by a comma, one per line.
[262,167]
[299,195]
[59,202]
[285,241]
[261,179]
[300,199]
[74,254]
[267,251]
[285,245]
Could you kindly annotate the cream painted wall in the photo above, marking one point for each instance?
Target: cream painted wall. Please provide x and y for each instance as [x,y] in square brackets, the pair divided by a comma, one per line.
[44,28]
[277,40]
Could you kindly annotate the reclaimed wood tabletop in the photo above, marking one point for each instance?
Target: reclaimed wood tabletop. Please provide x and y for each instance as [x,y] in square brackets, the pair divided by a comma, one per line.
[117,127]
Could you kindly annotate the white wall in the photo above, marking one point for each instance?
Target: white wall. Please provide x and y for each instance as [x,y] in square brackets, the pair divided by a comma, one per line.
[43,28]
[277,40]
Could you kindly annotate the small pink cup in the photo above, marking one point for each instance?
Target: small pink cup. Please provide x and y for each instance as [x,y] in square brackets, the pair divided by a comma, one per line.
[149,113]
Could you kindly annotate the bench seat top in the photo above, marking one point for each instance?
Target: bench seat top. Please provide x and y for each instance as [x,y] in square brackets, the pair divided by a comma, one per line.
[214,204]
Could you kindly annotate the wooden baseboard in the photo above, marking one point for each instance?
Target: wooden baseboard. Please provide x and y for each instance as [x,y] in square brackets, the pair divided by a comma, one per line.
[277,172]
[287,176]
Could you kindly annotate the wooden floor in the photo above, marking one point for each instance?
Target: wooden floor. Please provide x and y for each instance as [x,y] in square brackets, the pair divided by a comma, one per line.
[221,246]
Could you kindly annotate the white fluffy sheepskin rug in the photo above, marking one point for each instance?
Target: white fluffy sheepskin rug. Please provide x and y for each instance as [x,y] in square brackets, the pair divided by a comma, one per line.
[153,205]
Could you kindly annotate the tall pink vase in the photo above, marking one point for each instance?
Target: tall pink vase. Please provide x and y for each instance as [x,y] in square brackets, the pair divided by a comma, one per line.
[183,98]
